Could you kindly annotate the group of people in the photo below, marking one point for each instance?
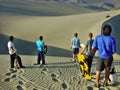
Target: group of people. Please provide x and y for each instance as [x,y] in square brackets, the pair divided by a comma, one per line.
[105,44]
[14,55]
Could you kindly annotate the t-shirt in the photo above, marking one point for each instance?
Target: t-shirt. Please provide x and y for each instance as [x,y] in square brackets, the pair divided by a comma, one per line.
[106,46]
[75,42]
[40,44]
[11,44]
[89,47]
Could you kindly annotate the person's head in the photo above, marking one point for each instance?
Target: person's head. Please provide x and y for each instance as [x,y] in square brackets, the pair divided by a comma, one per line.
[11,38]
[75,34]
[90,35]
[107,30]
[41,38]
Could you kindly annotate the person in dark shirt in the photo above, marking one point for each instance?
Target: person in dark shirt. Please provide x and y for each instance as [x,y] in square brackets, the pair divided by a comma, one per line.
[89,54]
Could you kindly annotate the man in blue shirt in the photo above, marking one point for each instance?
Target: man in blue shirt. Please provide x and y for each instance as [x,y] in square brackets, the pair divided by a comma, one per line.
[40,47]
[106,46]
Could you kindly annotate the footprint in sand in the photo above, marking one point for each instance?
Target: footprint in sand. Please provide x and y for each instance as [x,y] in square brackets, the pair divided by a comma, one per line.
[19,87]
[54,77]
[7,80]
[36,89]
[20,82]
[44,72]
[14,76]
[64,86]
[44,69]
[89,88]
[8,74]
[60,71]
[79,82]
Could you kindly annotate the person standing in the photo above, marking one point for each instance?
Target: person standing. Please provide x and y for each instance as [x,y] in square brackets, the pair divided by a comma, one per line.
[75,45]
[106,46]
[40,48]
[89,54]
[13,53]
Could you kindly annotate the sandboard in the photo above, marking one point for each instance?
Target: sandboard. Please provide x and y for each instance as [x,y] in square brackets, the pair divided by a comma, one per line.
[83,66]
[45,49]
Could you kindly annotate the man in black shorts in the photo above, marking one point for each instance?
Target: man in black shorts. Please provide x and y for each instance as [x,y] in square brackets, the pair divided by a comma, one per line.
[106,46]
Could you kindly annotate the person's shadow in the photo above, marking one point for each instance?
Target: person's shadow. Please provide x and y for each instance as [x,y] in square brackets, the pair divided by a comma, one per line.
[114,22]
[29,48]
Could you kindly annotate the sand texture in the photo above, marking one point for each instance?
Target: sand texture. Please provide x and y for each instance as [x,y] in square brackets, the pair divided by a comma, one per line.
[56,21]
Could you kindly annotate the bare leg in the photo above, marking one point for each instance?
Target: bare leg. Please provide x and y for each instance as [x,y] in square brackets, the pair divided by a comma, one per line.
[73,57]
[98,77]
[107,75]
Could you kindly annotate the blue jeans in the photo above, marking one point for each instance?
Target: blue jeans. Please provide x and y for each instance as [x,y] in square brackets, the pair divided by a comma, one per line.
[41,56]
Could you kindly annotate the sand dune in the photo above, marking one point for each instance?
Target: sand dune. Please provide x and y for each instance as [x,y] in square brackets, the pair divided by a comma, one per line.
[42,8]
[57,31]
[27,23]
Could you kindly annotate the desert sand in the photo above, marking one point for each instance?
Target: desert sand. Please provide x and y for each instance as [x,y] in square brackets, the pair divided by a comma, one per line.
[60,73]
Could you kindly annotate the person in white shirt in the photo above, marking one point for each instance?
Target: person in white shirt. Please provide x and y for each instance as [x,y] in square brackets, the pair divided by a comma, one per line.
[12,52]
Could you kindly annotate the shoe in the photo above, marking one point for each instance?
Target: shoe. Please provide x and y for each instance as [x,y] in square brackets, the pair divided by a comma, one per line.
[22,67]
[73,60]
[36,64]
[105,84]
[97,85]
[42,65]
[11,69]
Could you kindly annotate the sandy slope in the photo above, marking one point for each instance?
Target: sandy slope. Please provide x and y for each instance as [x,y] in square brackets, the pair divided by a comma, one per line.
[57,31]
[60,73]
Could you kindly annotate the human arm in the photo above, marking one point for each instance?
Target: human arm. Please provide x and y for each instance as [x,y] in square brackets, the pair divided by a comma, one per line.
[83,49]
[114,46]
[13,50]
[95,46]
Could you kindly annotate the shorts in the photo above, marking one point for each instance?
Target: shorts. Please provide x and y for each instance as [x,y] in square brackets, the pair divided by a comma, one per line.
[75,50]
[104,63]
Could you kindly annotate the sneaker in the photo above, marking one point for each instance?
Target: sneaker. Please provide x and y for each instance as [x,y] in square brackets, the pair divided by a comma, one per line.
[73,59]
[22,67]
[11,69]
[97,85]
[36,64]
[105,84]
[42,65]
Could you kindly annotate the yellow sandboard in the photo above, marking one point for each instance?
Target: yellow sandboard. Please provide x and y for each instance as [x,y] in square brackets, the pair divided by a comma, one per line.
[83,66]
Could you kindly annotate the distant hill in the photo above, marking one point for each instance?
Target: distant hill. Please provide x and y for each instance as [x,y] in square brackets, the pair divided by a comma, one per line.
[106,4]
[56,7]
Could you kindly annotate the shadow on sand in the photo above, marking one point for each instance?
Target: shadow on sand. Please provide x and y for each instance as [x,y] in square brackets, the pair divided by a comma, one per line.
[29,48]
[32,8]
[115,23]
